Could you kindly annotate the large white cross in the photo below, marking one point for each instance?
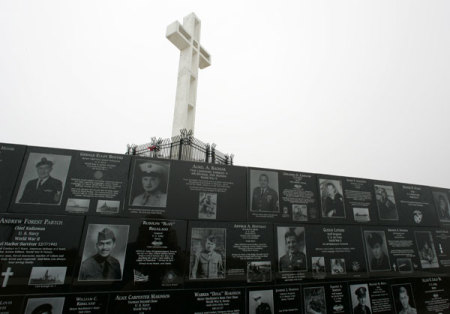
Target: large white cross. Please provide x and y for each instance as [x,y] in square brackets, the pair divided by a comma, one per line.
[186,37]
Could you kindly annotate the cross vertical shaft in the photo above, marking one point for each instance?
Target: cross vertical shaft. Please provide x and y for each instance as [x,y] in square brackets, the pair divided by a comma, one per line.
[186,37]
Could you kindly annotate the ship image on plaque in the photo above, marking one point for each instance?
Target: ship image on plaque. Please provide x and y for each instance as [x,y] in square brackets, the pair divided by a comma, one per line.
[426,250]
[387,209]
[45,276]
[264,187]
[77,205]
[260,301]
[315,301]
[207,208]
[208,253]
[332,199]
[403,299]
[291,249]
[441,200]
[360,299]
[376,250]
[108,207]
[149,183]
[104,253]
[45,305]
[43,179]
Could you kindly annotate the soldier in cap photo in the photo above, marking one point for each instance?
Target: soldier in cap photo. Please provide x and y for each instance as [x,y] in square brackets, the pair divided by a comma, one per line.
[261,307]
[294,259]
[151,182]
[45,308]
[379,260]
[102,266]
[44,189]
[361,307]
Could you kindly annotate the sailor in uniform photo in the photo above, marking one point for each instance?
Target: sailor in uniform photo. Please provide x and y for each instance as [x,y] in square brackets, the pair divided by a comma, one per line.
[102,266]
[152,181]
[44,189]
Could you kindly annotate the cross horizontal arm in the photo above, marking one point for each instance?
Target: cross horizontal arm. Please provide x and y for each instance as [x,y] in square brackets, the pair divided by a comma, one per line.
[178,36]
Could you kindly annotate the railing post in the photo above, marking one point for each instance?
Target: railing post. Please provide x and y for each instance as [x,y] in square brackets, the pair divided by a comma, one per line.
[207,152]
[231,159]
[213,153]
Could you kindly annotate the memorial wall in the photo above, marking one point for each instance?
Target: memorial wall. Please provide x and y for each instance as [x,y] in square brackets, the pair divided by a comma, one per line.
[91,232]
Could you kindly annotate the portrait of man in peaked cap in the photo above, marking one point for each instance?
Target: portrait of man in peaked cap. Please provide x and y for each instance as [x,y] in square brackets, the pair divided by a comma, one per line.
[360,299]
[149,187]
[104,253]
[43,179]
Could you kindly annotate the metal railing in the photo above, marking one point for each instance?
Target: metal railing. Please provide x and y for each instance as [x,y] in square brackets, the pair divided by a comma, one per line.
[181,147]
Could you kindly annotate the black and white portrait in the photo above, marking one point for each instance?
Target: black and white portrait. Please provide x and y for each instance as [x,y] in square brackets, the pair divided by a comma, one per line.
[260,302]
[318,266]
[337,266]
[442,205]
[291,249]
[299,212]
[332,199]
[150,183]
[377,252]
[360,299]
[387,209]
[361,214]
[43,179]
[264,187]
[403,299]
[77,205]
[108,207]
[47,276]
[259,271]
[104,253]
[426,249]
[207,205]
[208,253]
[45,305]
[315,301]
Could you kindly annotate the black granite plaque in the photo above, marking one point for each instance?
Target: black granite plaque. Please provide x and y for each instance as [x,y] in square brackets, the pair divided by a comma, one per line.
[386,196]
[372,297]
[336,251]
[442,203]
[68,181]
[155,257]
[86,303]
[432,295]
[416,205]
[11,157]
[391,251]
[11,304]
[283,196]
[221,252]
[230,300]
[292,262]
[326,298]
[147,302]
[37,252]
[360,201]
[287,299]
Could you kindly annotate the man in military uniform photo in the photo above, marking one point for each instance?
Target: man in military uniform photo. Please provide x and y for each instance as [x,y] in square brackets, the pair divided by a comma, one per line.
[361,307]
[208,264]
[102,266]
[294,259]
[264,197]
[44,189]
[261,307]
[386,208]
[380,260]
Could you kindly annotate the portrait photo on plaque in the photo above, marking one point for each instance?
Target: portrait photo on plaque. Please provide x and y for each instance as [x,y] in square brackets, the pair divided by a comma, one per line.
[260,301]
[404,299]
[43,179]
[291,249]
[442,203]
[318,267]
[360,299]
[332,198]
[376,250]
[104,253]
[386,205]
[314,300]
[150,179]
[49,305]
[426,249]
[264,191]
[207,208]
[207,253]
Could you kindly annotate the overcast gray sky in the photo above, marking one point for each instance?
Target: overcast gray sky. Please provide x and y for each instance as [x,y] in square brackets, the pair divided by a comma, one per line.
[356,88]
